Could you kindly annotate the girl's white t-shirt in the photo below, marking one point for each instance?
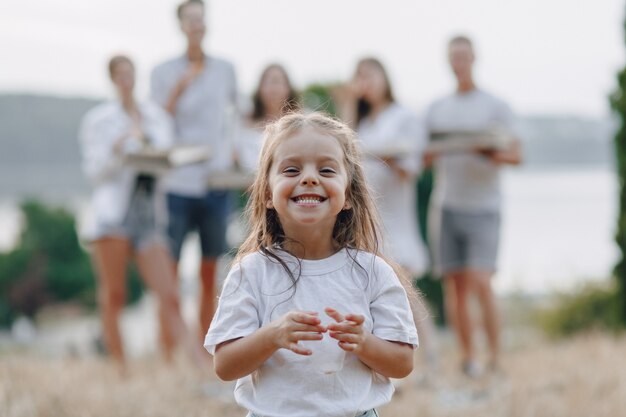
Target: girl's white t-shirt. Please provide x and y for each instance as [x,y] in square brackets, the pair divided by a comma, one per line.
[330,382]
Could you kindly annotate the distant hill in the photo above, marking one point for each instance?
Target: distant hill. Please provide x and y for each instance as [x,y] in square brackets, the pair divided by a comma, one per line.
[39,153]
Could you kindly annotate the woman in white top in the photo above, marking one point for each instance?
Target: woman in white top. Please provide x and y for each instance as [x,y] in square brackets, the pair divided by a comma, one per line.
[272,99]
[393,139]
[128,216]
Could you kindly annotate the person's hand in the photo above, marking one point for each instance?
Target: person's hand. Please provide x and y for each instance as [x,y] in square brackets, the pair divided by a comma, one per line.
[295,326]
[486,152]
[134,132]
[194,69]
[348,330]
[347,92]
[393,164]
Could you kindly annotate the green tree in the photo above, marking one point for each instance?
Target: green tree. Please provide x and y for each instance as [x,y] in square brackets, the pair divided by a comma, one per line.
[47,265]
[618,103]
[317,97]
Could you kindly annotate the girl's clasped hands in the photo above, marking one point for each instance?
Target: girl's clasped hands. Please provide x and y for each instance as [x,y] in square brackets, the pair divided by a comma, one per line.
[307,326]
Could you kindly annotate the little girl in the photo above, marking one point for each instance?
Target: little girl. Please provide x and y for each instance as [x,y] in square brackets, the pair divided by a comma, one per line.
[311,320]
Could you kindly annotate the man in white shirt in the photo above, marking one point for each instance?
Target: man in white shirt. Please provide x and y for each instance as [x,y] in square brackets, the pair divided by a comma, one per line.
[199,91]
[465,206]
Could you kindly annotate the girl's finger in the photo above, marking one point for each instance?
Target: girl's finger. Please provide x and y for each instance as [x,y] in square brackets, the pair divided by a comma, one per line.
[306,318]
[345,327]
[355,318]
[296,348]
[348,347]
[300,327]
[345,337]
[334,314]
[307,336]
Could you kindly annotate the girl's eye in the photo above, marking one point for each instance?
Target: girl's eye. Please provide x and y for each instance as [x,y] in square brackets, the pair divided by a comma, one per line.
[327,171]
[290,170]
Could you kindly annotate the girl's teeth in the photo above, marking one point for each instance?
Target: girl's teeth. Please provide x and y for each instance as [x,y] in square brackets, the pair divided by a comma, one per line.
[308,200]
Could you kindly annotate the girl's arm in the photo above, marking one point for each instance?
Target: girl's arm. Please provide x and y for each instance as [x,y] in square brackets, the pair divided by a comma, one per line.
[240,357]
[237,358]
[391,359]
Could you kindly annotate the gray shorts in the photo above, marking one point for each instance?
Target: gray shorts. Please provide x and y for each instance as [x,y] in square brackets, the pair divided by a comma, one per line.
[464,240]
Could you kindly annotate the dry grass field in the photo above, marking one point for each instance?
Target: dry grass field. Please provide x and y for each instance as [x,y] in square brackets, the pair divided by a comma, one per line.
[585,376]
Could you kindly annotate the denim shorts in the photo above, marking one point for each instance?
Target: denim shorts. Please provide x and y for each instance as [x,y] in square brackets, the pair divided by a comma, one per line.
[139,225]
[369,413]
[207,215]
[465,240]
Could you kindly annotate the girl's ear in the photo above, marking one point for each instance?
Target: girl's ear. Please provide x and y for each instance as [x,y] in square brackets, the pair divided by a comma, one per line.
[347,205]
[268,202]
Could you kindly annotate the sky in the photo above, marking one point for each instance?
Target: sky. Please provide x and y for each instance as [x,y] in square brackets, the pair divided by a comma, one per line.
[542,56]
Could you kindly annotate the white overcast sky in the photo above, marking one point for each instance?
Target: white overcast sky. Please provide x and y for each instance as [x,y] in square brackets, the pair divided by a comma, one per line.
[543,56]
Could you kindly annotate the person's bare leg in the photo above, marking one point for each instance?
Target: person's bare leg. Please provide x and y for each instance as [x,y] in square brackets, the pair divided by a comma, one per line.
[167,340]
[155,266]
[449,300]
[208,294]
[481,282]
[457,291]
[110,258]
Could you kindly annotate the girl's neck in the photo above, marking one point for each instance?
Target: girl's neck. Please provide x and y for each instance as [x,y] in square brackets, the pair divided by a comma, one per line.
[312,244]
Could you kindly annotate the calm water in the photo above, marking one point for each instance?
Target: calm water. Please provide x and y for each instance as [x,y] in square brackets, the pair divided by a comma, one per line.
[558,228]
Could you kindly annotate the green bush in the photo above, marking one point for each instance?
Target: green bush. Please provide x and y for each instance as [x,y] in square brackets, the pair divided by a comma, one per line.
[47,266]
[317,97]
[595,306]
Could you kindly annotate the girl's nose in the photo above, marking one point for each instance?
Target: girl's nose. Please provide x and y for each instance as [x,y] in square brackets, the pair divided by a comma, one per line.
[309,177]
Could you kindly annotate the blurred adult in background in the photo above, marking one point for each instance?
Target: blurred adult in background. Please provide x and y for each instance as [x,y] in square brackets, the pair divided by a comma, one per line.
[273,98]
[200,92]
[393,138]
[465,206]
[128,208]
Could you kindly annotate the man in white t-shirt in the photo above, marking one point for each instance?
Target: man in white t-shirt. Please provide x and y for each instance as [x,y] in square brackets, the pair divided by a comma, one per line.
[199,91]
[465,205]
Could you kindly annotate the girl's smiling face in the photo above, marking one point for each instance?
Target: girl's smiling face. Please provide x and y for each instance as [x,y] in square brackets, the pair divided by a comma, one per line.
[308,182]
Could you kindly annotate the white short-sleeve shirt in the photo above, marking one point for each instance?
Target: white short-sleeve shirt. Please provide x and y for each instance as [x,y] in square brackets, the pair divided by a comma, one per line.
[396,197]
[330,382]
[112,180]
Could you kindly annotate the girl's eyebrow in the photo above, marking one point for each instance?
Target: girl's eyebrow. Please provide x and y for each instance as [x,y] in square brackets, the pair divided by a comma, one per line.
[322,158]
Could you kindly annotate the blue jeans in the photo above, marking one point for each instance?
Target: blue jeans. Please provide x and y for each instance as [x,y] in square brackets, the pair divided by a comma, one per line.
[208,215]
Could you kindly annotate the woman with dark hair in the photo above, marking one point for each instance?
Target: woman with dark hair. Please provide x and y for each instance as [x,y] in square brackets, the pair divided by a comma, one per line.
[273,98]
[128,208]
[393,140]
